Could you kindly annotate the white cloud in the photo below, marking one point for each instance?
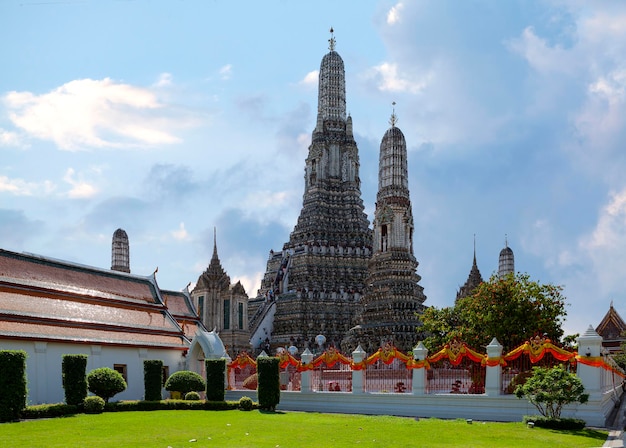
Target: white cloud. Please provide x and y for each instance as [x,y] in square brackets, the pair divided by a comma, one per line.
[393,16]
[8,138]
[80,189]
[226,72]
[181,234]
[541,56]
[311,79]
[165,80]
[20,187]
[94,113]
[390,80]
[605,246]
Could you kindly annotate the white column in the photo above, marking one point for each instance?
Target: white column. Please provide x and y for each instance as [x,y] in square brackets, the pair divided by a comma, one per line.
[589,346]
[305,375]
[493,377]
[420,352]
[358,376]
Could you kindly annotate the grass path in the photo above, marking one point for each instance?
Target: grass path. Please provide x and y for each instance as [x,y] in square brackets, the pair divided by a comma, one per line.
[197,429]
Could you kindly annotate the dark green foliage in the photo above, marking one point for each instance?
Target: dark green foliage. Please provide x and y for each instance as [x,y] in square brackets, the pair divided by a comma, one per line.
[74,368]
[105,382]
[568,424]
[550,389]
[215,369]
[169,405]
[512,308]
[246,404]
[192,396]
[49,411]
[93,405]
[185,381]
[269,382]
[12,384]
[153,379]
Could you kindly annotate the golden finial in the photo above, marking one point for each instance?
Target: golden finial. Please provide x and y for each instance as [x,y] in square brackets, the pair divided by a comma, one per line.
[394,119]
[331,41]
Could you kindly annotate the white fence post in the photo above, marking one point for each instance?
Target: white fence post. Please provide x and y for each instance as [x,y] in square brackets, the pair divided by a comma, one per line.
[589,346]
[305,375]
[493,374]
[420,352]
[358,376]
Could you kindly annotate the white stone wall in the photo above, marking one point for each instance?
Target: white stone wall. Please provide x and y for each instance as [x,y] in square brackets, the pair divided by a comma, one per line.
[44,360]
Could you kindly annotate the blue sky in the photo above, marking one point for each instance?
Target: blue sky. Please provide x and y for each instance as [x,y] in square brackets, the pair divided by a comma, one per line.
[170,118]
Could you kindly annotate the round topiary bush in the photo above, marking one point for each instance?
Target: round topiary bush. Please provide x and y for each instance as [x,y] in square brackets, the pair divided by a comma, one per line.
[93,405]
[105,382]
[191,396]
[185,381]
[246,404]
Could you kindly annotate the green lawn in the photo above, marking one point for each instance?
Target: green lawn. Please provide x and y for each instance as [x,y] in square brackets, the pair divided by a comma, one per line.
[290,429]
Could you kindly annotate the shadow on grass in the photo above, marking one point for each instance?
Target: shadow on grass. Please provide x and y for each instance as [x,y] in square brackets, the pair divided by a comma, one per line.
[587,432]
[265,411]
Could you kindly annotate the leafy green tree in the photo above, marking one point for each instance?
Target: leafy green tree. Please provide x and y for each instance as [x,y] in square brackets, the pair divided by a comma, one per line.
[105,382]
[551,389]
[511,308]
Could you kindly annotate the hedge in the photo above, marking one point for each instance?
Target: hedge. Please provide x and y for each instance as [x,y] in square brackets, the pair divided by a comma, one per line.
[13,383]
[49,410]
[215,369]
[74,368]
[153,379]
[555,423]
[170,405]
[269,382]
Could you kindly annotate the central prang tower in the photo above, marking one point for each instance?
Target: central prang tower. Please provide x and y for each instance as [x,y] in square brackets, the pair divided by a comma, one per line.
[319,277]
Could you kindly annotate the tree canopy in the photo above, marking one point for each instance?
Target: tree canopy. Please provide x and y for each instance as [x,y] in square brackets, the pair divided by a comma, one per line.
[512,308]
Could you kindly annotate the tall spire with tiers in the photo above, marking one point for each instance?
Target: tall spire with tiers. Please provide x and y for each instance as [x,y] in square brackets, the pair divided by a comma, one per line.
[324,263]
[393,296]
[506,261]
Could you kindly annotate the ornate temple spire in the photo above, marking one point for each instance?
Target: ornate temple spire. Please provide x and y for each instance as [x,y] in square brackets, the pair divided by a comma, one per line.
[473,279]
[214,276]
[331,104]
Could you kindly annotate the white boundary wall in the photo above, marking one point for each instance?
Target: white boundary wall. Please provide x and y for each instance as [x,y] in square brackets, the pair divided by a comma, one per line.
[44,366]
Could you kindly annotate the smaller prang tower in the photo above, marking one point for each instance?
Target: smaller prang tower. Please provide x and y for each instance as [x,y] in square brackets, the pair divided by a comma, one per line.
[506,262]
[393,298]
[120,258]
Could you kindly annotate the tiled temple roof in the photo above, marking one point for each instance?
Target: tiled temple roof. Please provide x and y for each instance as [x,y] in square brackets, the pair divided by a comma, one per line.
[53,300]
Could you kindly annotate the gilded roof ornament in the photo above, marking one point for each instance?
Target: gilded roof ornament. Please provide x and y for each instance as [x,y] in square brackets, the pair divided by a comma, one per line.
[394,118]
[331,41]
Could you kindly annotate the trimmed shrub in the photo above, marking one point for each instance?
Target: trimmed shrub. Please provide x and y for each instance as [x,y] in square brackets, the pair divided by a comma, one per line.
[49,411]
[74,368]
[246,404]
[185,381]
[215,369]
[555,423]
[192,396]
[269,382]
[153,379]
[13,383]
[105,382]
[93,405]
